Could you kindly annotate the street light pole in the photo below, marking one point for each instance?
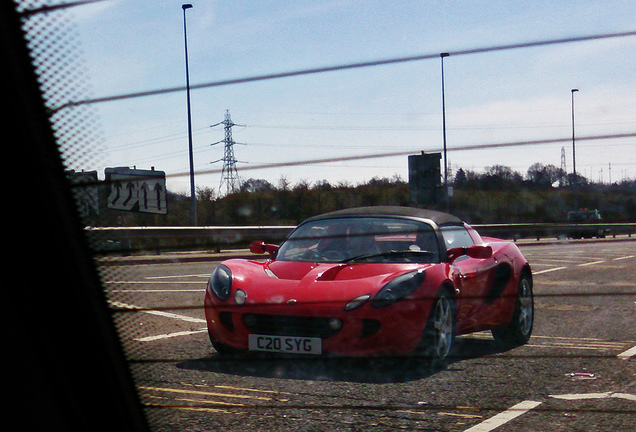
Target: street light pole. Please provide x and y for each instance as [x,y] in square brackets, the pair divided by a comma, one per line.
[442,55]
[193,199]
[574,178]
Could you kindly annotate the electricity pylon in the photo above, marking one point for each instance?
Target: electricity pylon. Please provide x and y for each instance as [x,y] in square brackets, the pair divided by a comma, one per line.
[229,173]
[563,167]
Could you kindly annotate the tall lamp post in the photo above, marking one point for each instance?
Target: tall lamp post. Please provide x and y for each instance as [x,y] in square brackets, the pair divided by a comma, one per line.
[193,199]
[442,55]
[574,178]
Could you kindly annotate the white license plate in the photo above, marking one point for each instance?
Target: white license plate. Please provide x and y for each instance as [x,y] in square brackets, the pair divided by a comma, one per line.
[285,344]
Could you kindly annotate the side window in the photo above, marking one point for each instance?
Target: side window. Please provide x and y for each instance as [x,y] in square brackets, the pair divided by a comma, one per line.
[455,236]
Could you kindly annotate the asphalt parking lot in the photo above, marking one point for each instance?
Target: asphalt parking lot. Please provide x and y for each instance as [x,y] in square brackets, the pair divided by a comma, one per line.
[576,373]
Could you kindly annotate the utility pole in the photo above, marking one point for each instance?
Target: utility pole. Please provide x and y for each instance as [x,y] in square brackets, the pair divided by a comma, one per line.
[574,179]
[193,198]
[229,173]
[446,200]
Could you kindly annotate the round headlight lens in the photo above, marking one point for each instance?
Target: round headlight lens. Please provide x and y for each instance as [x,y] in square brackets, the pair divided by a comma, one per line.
[221,282]
[240,297]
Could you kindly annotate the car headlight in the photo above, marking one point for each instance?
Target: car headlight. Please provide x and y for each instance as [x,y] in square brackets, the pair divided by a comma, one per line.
[398,288]
[221,282]
[357,302]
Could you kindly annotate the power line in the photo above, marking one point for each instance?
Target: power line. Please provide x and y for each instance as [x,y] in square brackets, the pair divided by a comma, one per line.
[409,152]
[348,66]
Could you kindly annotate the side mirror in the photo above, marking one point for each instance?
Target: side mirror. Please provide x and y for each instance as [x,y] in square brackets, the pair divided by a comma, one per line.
[260,247]
[479,251]
[474,251]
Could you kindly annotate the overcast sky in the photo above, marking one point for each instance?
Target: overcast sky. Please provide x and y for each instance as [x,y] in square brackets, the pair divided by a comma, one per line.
[493,97]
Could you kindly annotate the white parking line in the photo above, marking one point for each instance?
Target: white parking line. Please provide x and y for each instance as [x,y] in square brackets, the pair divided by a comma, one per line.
[166,315]
[605,395]
[541,260]
[150,290]
[175,316]
[504,417]
[628,354]
[159,313]
[624,258]
[207,275]
[590,263]
[169,335]
[151,282]
[155,290]
[548,270]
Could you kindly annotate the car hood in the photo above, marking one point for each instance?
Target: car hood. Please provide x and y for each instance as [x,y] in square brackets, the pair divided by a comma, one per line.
[279,281]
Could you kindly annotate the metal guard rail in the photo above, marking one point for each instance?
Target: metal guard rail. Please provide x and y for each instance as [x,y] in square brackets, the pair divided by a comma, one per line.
[121,238]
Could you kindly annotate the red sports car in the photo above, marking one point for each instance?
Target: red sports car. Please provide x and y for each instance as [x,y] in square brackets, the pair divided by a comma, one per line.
[371,281]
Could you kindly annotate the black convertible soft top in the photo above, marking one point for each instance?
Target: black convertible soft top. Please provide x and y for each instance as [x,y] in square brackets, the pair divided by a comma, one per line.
[440,218]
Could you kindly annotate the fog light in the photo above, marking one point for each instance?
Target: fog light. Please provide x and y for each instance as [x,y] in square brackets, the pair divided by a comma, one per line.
[335,324]
[240,296]
[249,320]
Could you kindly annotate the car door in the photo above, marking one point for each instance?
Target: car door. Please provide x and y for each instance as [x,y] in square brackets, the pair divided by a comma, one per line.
[473,279]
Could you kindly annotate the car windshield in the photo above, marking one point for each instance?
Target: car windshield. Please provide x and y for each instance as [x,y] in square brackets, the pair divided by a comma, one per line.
[370,239]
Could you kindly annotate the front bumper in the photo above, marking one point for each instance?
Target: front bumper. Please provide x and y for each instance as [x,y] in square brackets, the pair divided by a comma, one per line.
[392,330]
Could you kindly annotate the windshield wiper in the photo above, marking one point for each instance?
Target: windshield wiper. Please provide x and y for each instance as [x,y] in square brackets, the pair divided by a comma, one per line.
[385,254]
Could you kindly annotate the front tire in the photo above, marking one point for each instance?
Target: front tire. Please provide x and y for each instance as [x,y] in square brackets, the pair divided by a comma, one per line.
[439,334]
[519,330]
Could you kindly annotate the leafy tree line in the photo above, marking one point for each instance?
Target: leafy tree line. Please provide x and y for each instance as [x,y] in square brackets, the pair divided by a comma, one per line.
[498,195]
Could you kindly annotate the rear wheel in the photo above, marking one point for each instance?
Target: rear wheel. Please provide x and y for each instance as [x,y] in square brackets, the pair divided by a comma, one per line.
[520,328]
[439,333]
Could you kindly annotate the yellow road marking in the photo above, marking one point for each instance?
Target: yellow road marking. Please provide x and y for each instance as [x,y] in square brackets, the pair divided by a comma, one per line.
[459,415]
[197,392]
[249,389]
[208,410]
[203,401]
